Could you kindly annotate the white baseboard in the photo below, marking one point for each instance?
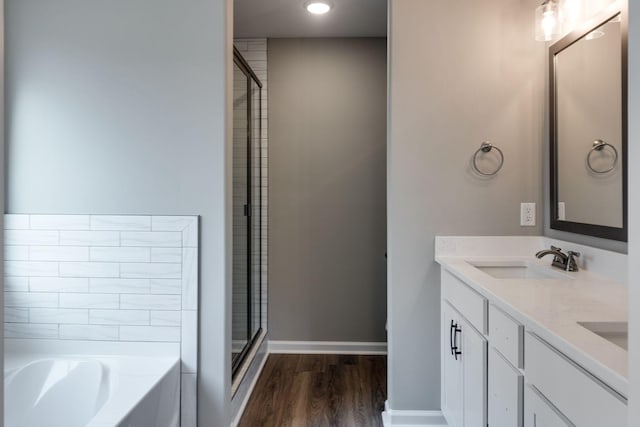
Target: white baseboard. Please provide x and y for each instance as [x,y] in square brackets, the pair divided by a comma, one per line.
[396,418]
[327,347]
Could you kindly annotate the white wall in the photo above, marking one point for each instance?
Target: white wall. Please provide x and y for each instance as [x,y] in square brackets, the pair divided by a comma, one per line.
[483,80]
[122,107]
[2,174]
[634,213]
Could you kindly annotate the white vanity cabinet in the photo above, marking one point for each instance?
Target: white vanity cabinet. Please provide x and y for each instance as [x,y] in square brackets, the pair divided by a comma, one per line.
[464,364]
[496,371]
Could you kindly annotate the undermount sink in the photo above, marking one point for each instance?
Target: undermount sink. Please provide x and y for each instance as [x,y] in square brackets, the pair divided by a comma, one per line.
[518,270]
[614,332]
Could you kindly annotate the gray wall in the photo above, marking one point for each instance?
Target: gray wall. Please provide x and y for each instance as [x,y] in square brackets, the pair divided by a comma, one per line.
[484,80]
[634,212]
[327,125]
[119,107]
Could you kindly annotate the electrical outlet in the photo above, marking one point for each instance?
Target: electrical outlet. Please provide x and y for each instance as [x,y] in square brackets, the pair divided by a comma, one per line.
[527,214]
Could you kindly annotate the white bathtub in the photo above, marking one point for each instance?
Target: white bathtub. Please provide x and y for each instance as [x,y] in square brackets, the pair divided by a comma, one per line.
[78,390]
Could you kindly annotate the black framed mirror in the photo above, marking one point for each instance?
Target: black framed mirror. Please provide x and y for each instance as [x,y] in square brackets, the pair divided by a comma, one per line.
[588,127]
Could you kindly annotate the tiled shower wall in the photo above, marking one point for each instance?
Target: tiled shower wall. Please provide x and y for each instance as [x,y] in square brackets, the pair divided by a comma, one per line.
[254,52]
[106,278]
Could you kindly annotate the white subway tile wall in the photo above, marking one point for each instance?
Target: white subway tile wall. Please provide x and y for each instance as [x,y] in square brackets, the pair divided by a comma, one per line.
[254,51]
[105,278]
[89,238]
[121,223]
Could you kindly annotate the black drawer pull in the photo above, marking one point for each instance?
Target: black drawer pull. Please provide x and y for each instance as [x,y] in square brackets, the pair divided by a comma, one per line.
[456,353]
[451,337]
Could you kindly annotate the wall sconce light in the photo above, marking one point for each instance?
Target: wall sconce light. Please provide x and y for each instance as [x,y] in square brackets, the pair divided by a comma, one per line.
[547,21]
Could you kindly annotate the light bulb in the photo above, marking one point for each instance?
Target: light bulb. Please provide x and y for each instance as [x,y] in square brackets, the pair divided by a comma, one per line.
[548,25]
[547,21]
[318,8]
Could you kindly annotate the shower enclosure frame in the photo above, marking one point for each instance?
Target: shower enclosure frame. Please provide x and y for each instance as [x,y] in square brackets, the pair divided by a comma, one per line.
[238,361]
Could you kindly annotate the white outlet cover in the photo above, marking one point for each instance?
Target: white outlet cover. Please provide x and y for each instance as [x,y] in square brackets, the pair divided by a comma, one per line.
[528,214]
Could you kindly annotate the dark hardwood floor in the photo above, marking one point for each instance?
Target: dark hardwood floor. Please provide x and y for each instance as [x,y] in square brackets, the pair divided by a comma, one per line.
[296,390]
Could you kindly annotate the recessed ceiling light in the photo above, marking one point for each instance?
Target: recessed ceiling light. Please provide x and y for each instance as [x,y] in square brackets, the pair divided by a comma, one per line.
[318,7]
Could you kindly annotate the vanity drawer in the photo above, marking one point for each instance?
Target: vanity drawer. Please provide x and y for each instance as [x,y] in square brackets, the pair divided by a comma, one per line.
[505,387]
[506,335]
[468,302]
[583,399]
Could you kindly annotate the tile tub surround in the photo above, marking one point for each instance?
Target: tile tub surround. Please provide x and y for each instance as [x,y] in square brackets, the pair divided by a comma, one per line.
[119,278]
[551,308]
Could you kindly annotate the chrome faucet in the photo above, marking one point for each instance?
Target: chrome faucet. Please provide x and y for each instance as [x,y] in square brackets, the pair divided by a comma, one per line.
[561,260]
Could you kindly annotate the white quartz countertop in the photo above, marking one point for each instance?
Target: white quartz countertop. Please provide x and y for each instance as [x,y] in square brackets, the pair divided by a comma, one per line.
[552,308]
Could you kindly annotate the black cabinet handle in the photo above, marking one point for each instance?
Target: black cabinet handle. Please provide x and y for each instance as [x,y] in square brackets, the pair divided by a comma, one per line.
[451,337]
[456,353]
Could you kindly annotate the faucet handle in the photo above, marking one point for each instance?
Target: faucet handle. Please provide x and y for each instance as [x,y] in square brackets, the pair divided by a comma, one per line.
[558,259]
[572,265]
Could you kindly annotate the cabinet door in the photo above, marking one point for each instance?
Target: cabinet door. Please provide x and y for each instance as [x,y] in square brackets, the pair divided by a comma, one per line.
[474,362]
[538,413]
[505,392]
[451,369]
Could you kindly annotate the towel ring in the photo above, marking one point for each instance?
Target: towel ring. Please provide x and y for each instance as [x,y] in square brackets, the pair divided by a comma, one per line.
[599,145]
[486,147]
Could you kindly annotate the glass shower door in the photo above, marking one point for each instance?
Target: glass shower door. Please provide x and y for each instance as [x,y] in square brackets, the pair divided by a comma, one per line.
[241,242]
[247,201]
